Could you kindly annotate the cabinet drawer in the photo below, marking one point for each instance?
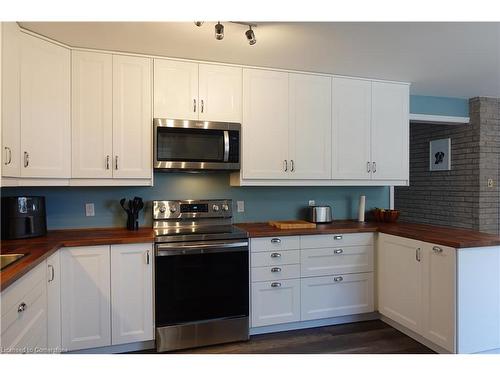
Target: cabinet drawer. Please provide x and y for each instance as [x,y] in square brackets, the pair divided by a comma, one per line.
[274,243]
[336,260]
[331,296]
[275,302]
[291,271]
[274,258]
[335,240]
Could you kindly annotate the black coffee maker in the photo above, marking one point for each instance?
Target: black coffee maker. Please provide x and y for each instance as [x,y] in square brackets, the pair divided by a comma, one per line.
[23,217]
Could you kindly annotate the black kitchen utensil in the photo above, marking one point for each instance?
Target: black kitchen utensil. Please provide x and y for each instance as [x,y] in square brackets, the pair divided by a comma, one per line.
[132,209]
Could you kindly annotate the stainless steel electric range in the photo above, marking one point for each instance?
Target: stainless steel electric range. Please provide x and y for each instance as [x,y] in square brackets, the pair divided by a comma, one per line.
[201,274]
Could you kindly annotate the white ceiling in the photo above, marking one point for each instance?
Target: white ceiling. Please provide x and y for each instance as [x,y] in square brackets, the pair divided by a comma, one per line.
[441,59]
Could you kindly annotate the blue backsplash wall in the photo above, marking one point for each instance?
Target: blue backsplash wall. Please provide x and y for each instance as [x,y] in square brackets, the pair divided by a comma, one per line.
[66,205]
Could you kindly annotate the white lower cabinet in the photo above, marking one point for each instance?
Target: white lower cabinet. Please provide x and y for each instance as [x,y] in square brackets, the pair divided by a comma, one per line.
[131,293]
[54,343]
[300,278]
[331,296]
[275,302]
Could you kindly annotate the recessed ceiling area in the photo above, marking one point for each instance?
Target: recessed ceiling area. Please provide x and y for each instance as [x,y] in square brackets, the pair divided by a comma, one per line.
[439,59]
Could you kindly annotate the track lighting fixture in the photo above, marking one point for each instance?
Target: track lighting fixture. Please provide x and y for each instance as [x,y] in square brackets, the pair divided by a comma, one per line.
[198,23]
[250,36]
[219,31]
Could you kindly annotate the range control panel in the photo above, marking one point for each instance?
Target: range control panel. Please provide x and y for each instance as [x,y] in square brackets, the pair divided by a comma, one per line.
[184,209]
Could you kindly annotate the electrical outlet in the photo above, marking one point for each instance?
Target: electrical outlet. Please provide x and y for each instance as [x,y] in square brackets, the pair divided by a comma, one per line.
[312,202]
[89,209]
[491,183]
[240,205]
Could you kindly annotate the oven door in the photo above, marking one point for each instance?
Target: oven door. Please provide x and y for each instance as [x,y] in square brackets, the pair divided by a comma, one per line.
[200,281]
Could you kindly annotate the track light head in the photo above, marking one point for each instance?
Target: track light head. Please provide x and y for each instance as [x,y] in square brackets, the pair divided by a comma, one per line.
[250,36]
[219,31]
[198,23]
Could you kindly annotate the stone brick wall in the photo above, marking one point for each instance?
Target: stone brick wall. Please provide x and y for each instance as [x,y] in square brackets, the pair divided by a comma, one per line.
[459,197]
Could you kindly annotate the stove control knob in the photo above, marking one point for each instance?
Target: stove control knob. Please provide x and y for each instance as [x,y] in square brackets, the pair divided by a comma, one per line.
[173,209]
[162,209]
[215,208]
[225,207]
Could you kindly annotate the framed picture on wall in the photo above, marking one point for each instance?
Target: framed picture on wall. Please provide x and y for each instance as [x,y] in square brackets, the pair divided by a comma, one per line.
[440,155]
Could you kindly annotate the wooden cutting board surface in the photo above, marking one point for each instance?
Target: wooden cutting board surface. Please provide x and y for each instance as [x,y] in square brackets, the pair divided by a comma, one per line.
[292,224]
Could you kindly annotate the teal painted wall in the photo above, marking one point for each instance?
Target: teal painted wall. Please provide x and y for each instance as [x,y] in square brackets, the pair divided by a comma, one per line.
[436,105]
[66,205]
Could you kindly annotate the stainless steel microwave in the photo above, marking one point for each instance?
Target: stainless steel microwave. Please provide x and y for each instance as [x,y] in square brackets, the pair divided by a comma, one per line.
[196,145]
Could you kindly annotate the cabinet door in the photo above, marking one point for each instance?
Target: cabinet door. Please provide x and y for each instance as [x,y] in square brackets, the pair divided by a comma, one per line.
[331,296]
[265,124]
[85,298]
[11,122]
[132,122]
[400,280]
[92,126]
[310,126]
[54,302]
[220,91]
[275,302]
[390,123]
[351,130]
[132,293]
[438,288]
[45,109]
[175,90]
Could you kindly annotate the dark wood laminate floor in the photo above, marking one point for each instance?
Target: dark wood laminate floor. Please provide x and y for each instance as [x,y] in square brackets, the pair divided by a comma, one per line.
[372,337]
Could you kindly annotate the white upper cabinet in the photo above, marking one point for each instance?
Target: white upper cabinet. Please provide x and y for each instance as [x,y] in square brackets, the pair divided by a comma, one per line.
[351,128]
[390,131]
[45,109]
[265,128]
[310,126]
[175,89]
[92,117]
[11,162]
[220,93]
[192,91]
[132,120]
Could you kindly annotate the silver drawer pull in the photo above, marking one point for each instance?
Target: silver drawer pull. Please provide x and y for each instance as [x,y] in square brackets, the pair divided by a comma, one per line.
[275,255]
[275,269]
[437,249]
[337,237]
[338,251]
[275,285]
[52,275]
[338,279]
[22,307]
[276,240]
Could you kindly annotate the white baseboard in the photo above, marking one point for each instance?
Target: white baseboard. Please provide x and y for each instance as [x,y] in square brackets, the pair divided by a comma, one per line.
[114,349]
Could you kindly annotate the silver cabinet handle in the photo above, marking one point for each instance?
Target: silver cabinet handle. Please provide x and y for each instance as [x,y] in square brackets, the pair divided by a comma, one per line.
[276,240]
[22,306]
[147,257]
[52,275]
[285,163]
[368,167]
[292,168]
[338,279]
[275,285]
[374,167]
[275,255]
[338,251]
[337,237]
[275,269]
[107,161]
[437,249]
[9,160]
[417,254]
[116,162]
[194,105]
[26,159]
[202,105]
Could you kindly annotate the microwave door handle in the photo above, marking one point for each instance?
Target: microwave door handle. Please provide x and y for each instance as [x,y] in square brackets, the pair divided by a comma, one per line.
[226,146]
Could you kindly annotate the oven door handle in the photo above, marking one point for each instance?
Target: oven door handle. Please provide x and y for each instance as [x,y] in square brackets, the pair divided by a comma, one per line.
[226,146]
[224,247]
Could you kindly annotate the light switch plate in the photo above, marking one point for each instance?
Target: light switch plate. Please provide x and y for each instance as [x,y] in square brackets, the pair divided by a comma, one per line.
[240,206]
[89,209]
[312,202]
[491,183]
